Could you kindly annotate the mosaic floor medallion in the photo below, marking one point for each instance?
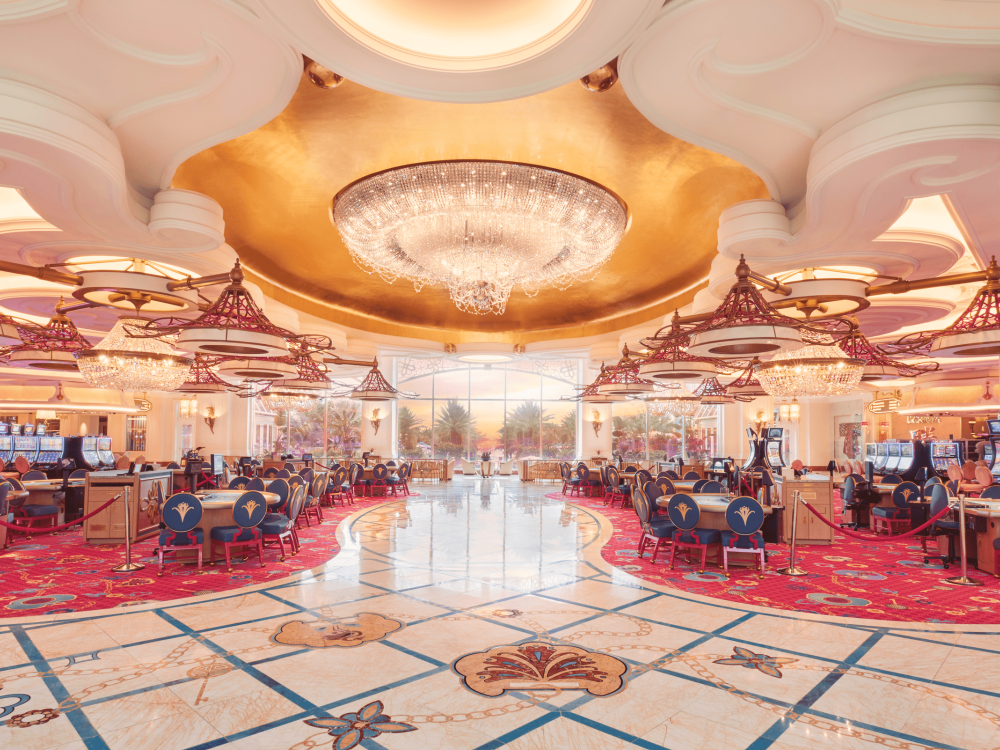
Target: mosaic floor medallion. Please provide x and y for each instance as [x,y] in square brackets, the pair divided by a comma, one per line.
[343,632]
[536,666]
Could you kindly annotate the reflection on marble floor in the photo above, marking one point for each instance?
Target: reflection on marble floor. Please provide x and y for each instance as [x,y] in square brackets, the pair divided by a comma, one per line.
[480,615]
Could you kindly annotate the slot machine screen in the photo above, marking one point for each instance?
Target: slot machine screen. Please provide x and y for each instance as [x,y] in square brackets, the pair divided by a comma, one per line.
[15,428]
[22,443]
[29,430]
[993,426]
[50,445]
[881,454]
[906,455]
[40,429]
[6,444]
[774,433]
[870,450]
[893,461]
[4,428]
[103,443]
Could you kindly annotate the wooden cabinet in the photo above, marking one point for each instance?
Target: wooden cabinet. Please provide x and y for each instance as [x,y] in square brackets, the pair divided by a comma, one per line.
[145,491]
[818,492]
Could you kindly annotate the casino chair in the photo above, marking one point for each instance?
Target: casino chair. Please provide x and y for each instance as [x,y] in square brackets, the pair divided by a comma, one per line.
[379,474]
[239,483]
[902,495]
[691,475]
[256,484]
[684,513]
[289,467]
[279,527]
[891,479]
[655,529]
[696,489]
[991,493]
[953,487]
[983,480]
[173,465]
[339,489]
[280,474]
[939,501]
[713,486]
[798,467]
[616,488]
[5,510]
[281,488]
[79,474]
[591,484]
[33,476]
[358,482]
[248,513]
[181,514]
[307,473]
[631,468]
[665,485]
[26,515]
[396,482]
[314,493]
[851,501]
[955,473]
[669,474]
[642,476]
[745,517]
[270,472]
[570,482]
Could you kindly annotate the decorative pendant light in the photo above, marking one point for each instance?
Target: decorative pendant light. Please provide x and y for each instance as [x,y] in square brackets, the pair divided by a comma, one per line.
[672,362]
[744,324]
[258,368]
[287,401]
[976,332]
[816,370]
[376,388]
[202,377]
[10,334]
[50,347]
[623,379]
[790,413]
[233,326]
[589,394]
[878,366]
[711,391]
[747,387]
[127,363]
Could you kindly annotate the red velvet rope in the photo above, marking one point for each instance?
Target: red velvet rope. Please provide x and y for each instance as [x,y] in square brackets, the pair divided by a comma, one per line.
[868,538]
[81,519]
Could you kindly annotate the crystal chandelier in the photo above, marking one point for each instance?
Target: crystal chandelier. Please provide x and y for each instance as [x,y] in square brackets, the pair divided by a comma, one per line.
[479,228]
[814,370]
[287,401]
[677,401]
[125,363]
[878,366]
[790,413]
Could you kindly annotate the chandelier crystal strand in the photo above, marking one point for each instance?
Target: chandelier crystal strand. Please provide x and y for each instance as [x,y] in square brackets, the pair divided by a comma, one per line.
[479,228]
[814,370]
[125,363]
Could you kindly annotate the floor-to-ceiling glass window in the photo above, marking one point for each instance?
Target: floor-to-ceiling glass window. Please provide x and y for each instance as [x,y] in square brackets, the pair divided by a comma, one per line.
[642,433]
[508,410]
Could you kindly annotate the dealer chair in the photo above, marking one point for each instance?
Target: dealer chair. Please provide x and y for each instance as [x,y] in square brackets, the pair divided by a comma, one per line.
[339,488]
[280,527]
[642,476]
[33,476]
[281,488]
[570,483]
[248,514]
[939,501]
[239,483]
[684,514]
[282,474]
[181,514]
[314,493]
[696,488]
[851,502]
[885,518]
[654,529]
[587,482]
[991,493]
[713,486]
[891,479]
[745,517]
[691,476]
[670,474]
[270,472]
[256,484]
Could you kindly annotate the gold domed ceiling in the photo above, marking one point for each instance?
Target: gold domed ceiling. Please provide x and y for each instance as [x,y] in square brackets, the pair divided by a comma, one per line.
[276,185]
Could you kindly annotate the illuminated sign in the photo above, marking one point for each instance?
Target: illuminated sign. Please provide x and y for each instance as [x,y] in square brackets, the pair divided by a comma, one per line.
[884,405]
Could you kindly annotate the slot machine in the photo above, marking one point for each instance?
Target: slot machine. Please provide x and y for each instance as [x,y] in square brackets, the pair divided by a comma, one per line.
[772,447]
[104,454]
[881,456]
[752,458]
[870,452]
[892,460]
[6,443]
[83,450]
[992,448]
[90,455]
[27,446]
[908,463]
[50,452]
[945,453]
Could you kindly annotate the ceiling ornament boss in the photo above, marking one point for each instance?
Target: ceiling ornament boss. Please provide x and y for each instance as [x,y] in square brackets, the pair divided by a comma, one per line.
[480,228]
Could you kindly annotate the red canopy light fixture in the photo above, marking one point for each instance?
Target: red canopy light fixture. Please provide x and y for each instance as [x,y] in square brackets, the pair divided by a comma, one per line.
[747,387]
[672,362]
[878,366]
[376,388]
[49,347]
[202,377]
[711,391]
[623,379]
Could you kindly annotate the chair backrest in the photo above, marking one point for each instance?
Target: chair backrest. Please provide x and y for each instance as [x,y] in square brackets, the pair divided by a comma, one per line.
[630,468]
[307,473]
[381,471]
[614,479]
[858,467]
[340,476]
[403,472]
[15,483]
[256,483]
[14,502]
[642,476]
[665,485]
[583,473]
[954,472]
[290,467]
[745,516]
[935,480]
[991,493]
[182,512]
[939,498]
[318,484]
[847,494]
[281,473]
[643,507]
[953,487]
[4,489]
[296,481]
[296,502]
[684,512]
[698,485]
[122,462]
[33,476]
[904,493]
[79,473]
[671,474]
[249,510]
[171,465]
[797,465]
[270,472]
[691,475]
[239,483]
[969,471]
[983,476]
[564,470]
[892,479]
[713,486]
[391,464]
[281,487]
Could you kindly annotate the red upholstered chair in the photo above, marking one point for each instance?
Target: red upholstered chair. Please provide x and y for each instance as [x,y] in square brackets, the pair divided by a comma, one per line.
[983,479]
[969,472]
[955,473]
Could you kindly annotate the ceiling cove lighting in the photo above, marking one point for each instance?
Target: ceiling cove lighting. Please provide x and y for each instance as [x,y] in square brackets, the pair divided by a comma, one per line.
[480,228]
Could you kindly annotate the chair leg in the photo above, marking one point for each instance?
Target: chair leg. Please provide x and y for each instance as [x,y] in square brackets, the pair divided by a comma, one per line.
[673,551]
[281,549]
[704,556]
[725,560]
[229,562]
[260,550]
[199,556]
[161,561]
[656,551]
[642,543]
[211,552]
[763,562]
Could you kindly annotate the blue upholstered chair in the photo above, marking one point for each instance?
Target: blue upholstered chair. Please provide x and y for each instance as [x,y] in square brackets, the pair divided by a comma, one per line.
[256,484]
[991,493]
[308,473]
[314,493]
[359,487]
[850,502]
[181,514]
[378,484]
[289,467]
[239,483]
[684,513]
[616,488]
[271,472]
[248,513]
[642,476]
[696,488]
[79,474]
[892,479]
[280,527]
[339,489]
[393,481]
[669,474]
[940,497]
[713,486]
[953,487]
[28,515]
[280,474]
[6,513]
[571,483]
[903,494]
[33,476]
[691,476]
[745,516]
[654,529]
[587,482]
[280,487]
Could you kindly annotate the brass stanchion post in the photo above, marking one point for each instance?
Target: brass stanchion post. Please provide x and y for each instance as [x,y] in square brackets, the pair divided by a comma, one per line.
[792,569]
[128,566]
[963,580]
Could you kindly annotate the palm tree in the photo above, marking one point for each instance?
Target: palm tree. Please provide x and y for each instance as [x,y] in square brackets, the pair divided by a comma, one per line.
[344,425]
[522,428]
[451,429]
[409,424]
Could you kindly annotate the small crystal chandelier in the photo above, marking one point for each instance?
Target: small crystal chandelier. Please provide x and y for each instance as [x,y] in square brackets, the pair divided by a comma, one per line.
[675,400]
[123,362]
[623,379]
[814,370]
[287,401]
[479,228]
[188,408]
[49,347]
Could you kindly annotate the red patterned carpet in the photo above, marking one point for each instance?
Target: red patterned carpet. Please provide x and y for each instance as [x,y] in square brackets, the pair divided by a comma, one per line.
[850,578]
[56,573]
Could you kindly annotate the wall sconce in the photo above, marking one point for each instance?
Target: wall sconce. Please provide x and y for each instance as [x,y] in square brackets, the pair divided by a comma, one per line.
[598,424]
[789,412]
[210,418]
[189,407]
[375,419]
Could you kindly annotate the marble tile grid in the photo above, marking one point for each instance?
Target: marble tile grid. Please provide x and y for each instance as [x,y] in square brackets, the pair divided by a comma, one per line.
[566,652]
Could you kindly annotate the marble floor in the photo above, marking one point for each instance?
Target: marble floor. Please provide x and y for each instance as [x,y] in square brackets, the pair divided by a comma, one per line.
[480,615]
